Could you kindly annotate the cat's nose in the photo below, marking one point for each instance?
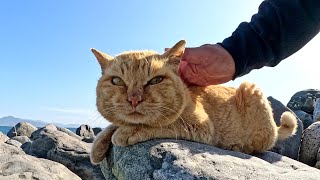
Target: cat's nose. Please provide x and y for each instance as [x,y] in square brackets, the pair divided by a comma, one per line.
[135,99]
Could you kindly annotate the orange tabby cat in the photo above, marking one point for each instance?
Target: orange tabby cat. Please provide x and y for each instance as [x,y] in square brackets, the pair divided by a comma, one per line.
[142,95]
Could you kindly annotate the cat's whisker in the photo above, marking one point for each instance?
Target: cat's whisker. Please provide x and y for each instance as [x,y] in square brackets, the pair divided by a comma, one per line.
[174,127]
[185,122]
[95,120]
[159,118]
[93,115]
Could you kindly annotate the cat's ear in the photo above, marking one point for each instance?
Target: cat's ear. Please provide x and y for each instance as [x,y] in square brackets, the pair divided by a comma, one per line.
[103,59]
[174,54]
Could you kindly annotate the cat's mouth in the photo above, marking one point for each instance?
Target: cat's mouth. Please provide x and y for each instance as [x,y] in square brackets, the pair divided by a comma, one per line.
[135,113]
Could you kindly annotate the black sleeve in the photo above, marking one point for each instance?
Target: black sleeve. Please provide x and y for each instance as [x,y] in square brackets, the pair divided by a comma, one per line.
[279,29]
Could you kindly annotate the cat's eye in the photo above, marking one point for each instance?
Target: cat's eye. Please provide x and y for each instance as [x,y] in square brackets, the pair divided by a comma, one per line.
[117,81]
[156,80]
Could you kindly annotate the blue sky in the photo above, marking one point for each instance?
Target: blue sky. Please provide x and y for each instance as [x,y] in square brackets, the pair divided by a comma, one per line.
[47,71]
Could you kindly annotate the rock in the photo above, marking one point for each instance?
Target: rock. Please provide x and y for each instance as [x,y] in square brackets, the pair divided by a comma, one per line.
[21,139]
[178,159]
[29,167]
[15,164]
[288,147]
[9,150]
[41,142]
[3,137]
[306,118]
[51,127]
[26,147]
[97,130]
[310,144]
[14,143]
[88,139]
[58,146]
[303,100]
[85,131]
[316,112]
[318,160]
[22,129]
[70,133]
[317,165]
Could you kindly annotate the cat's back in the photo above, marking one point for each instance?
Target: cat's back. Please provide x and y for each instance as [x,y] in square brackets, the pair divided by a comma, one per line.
[212,94]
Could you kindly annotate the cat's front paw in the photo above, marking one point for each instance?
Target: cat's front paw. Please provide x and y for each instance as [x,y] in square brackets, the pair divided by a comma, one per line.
[128,135]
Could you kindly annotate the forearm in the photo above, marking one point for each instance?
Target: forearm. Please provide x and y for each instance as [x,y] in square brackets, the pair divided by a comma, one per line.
[279,29]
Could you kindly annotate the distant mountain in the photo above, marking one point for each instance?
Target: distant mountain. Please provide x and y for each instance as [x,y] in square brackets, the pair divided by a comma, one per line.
[11,121]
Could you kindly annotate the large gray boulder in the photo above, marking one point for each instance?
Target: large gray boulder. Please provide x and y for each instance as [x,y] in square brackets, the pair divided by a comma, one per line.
[50,143]
[22,129]
[306,118]
[3,137]
[310,145]
[316,112]
[177,159]
[290,146]
[304,100]
[29,167]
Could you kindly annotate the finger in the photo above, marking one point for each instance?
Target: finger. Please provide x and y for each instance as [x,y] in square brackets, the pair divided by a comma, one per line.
[193,55]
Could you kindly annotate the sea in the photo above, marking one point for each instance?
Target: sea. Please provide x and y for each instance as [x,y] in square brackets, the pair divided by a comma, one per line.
[6,129]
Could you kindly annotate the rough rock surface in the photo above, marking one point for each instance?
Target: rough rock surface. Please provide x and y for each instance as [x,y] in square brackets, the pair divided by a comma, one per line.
[288,147]
[70,133]
[52,144]
[310,144]
[88,139]
[21,139]
[3,137]
[14,143]
[316,112]
[9,150]
[306,118]
[85,131]
[303,100]
[15,164]
[177,159]
[22,129]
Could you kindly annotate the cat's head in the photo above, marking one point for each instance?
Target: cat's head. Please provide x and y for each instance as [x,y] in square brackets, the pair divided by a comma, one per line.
[141,87]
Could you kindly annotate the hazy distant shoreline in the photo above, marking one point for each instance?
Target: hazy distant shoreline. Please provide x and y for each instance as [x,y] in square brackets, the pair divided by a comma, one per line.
[6,129]
[12,121]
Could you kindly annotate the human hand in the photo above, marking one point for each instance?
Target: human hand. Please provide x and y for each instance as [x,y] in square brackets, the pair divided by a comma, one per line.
[206,65]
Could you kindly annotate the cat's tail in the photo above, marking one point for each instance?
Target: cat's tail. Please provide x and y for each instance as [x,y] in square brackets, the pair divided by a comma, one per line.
[101,144]
[288,126]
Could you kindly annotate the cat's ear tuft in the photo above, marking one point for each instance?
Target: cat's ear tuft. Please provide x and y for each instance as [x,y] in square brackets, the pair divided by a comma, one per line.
[175,53]
[103,59]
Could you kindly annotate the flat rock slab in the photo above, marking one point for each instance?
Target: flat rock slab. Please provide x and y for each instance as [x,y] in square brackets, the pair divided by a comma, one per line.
[29,167]
[178,159]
